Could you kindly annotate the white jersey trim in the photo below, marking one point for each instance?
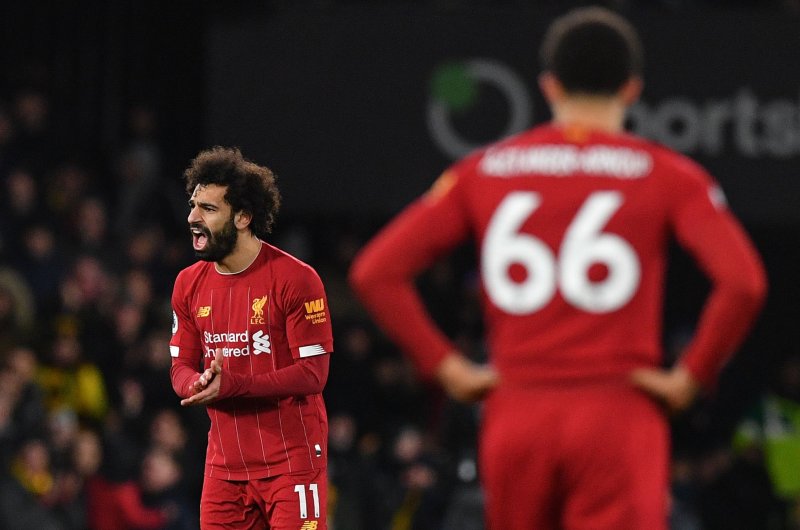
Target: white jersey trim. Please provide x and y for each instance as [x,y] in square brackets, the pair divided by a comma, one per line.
[312,350]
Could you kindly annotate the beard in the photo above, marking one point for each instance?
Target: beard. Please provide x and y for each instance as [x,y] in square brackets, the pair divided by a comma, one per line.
[219,245]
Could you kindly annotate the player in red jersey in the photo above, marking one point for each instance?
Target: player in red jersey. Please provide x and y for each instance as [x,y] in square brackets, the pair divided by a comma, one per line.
[572,221]
[250,341]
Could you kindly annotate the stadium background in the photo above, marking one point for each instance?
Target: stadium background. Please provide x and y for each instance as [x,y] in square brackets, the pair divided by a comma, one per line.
[357,106]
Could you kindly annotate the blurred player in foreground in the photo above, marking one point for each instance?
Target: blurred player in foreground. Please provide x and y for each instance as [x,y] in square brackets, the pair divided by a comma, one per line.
[572,221]
[250,340]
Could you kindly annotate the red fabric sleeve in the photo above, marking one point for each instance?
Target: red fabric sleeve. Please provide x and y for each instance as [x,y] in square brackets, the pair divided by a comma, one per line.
[383,273]
[306,376]
[186,356]
[182,377]
[708,231]
[305,305]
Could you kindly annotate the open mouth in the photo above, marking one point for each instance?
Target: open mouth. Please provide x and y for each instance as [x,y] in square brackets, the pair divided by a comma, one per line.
[199,237]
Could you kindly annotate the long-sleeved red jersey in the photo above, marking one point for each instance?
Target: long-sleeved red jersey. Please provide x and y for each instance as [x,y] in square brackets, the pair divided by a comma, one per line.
[572,227]
[273,325]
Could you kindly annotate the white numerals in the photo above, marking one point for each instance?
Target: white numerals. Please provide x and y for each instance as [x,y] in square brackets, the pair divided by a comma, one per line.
[504,245]
[584,245]
[300,489]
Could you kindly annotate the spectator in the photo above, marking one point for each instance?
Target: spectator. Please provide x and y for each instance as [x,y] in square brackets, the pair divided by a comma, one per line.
[162,487]
[769,437]
[89,231]
[35,143]
[25,494]
[19,384]
[17,309]
[71,382]
[346,482]
[86,311]
[151,370]
[70,503]
[139,174]
[21,207]
[66,187]
[168,433]
[41,262]
[419,485]
[114,504]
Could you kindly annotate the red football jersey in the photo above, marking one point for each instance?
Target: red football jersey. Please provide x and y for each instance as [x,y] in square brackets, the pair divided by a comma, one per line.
[572,227]
[265,318]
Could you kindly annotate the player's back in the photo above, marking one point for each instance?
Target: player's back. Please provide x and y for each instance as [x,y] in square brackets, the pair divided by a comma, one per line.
[572,228]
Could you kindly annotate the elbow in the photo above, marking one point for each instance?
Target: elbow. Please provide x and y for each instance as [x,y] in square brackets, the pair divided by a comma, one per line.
[318,388]
[757,289]
[372,272]
[361,276]
[757,292]
[316,382]
[751,292]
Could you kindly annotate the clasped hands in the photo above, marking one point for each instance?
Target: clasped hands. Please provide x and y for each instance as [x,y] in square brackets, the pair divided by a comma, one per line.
[205,389]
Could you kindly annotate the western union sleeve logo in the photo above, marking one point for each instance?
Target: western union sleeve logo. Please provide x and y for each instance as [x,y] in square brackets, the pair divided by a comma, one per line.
[315,306]
[315,311]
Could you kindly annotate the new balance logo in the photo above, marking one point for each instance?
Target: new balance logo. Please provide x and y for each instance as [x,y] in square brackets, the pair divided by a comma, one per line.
[261,343]
[315,306]
[309,525]
[204,311]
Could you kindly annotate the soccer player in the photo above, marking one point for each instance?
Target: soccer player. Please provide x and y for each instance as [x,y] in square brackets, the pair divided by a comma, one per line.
[572,221]
[251,339]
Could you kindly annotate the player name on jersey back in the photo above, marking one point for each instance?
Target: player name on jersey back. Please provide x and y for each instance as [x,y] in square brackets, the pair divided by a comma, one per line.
[564,160]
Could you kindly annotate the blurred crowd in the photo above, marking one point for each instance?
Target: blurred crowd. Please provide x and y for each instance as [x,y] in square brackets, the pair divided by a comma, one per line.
[93,437]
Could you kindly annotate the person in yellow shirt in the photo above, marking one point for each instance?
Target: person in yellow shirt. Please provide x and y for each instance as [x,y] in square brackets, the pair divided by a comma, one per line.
[69,381]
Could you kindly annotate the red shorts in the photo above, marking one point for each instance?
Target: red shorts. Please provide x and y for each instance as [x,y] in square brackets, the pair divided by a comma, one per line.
[293,501]
[587,458]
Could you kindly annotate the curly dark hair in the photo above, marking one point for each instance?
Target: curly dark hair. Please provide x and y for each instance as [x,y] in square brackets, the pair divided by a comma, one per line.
[592,50]
[250,188]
